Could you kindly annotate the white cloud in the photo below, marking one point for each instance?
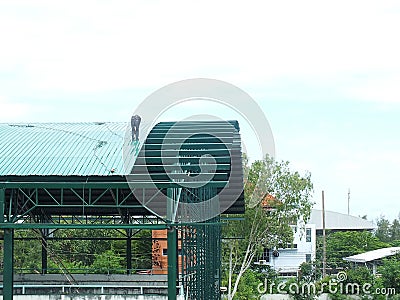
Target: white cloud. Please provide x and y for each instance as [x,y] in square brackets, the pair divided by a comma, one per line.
[386,90]
[102,45]
[9,111]
[80,48]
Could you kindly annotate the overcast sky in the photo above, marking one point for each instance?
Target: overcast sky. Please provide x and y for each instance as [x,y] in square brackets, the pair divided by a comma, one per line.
[326,75]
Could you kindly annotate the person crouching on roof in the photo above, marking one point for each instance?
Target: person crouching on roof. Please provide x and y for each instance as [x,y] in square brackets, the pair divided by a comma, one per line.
[135,124]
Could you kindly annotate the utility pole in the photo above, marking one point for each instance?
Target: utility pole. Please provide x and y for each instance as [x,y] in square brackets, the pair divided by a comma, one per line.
[348,202]
[323,237]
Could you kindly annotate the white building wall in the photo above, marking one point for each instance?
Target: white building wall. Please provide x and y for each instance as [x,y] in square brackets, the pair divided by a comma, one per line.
[290,259]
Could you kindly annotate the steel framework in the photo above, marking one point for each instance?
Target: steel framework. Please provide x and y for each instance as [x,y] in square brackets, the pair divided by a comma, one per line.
[111,202]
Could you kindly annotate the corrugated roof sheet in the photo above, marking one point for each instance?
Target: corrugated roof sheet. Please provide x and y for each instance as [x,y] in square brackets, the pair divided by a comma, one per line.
[373,255]
[338,221]
[63,148]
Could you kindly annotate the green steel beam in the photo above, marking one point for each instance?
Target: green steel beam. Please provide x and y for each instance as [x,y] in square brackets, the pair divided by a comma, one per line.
[89,205]
[81,226]
[227,219]
[103,185]
[98,226]
[64,184]
[85,238]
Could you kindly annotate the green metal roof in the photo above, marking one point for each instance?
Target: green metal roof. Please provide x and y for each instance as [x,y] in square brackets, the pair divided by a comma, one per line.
[62,148]
[185,152]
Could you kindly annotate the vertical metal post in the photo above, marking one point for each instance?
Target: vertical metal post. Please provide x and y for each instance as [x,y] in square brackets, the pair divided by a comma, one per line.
[2,203]
[8,263]
[129,251]
[172,241]
[44,233]
[8,254]
[323,237]
[172,249]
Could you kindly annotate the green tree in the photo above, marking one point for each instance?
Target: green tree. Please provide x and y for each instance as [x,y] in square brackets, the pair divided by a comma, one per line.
[359,275]
[248,285]
[390,271]
[267,219]
[309,271]
[346,243]
[395,243]
[108,262]
[27,251]
[395,230]
[76,249]
[142,248]
[383,230]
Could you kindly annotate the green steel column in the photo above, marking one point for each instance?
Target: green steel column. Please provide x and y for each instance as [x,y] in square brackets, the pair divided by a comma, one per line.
[129,251]
[172,240]
[172,247]
[8,271]
[44,233]
[44,256]
[2,202]
[8,253]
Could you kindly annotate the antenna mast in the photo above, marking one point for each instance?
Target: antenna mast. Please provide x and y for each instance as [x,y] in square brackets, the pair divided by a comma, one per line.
[323,237]
[348,202]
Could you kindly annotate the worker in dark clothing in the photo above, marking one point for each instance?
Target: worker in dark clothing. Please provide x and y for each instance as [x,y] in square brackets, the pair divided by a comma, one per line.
[135,123]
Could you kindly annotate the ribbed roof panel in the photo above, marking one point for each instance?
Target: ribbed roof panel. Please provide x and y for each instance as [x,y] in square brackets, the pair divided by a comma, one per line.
[62,148]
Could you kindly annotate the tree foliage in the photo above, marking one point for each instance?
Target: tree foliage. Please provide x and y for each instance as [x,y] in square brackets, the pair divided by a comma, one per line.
[395,231]
[261,228]
[383,230]
[346,243]
[81,251]
[390,271]
[388,231]
[107,262]
[27,253]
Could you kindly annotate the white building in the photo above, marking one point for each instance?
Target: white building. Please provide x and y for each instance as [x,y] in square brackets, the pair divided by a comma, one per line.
[287,259]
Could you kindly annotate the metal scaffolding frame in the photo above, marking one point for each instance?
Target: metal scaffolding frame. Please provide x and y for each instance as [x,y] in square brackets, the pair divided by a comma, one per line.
[201,257]
[109,202]
[200,241]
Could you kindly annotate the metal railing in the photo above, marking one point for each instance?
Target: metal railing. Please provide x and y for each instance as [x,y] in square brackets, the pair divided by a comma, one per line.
[101,289]
[87,271]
